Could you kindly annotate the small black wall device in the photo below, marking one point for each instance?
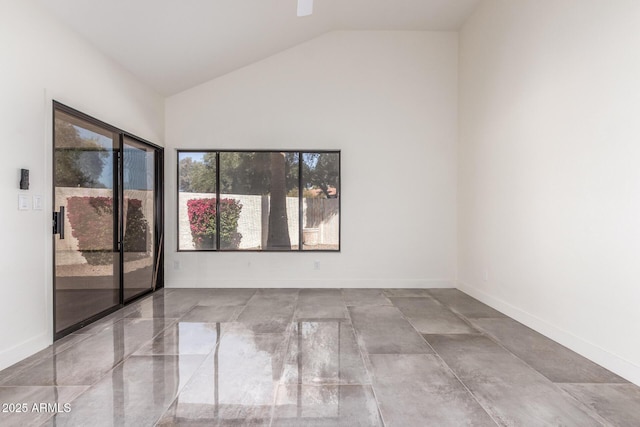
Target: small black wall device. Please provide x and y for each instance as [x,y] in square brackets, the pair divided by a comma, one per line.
[24,179]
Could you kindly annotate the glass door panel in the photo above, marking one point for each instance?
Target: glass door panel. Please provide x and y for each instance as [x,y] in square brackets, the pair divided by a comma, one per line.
[139,195]
[86,255]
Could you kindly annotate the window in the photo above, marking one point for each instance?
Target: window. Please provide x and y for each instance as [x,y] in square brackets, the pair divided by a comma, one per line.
[258,200]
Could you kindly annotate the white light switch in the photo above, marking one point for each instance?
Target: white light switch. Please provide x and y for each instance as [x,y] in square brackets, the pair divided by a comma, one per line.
[23,202]
[37,203]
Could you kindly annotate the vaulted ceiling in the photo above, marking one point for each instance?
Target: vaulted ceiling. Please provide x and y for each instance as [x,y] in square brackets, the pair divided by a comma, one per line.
[176,44]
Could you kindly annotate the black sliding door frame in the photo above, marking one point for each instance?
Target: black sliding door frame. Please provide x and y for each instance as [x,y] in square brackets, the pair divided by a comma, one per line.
[158,213]
[118,208]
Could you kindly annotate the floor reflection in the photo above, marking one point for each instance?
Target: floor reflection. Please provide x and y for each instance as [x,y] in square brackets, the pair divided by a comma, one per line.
[236,383]
[184,338]
[136,393]
[327,405]
[90,359]
[215,357]
[322,362]
[324,353]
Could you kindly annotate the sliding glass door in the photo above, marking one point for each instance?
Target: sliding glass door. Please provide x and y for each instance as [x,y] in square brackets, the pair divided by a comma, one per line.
[107,198]
[139,242]
[87,258]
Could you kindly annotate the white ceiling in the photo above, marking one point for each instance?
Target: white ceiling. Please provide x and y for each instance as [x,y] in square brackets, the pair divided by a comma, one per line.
[176,44]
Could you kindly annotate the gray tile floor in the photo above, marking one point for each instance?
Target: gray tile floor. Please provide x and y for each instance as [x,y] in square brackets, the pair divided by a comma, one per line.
[312,357]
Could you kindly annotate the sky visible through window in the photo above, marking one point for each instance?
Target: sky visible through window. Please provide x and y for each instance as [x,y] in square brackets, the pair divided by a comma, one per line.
[106,177]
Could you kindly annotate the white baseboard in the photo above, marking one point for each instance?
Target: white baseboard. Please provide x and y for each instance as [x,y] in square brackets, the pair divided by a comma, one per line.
[591,351]
[23,350]
[310,283]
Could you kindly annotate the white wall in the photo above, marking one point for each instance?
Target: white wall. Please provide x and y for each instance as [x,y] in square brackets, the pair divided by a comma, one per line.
[388,100]
[548,173]
[40,61]
[549,170]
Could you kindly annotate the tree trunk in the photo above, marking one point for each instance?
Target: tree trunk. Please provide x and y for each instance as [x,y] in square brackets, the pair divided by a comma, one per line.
[278,238]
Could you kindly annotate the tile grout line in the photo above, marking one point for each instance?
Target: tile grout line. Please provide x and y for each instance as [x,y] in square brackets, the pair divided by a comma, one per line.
[484,333]
[553,384]
[204,359]
[121,362]
[219,340]
[365,361]
[456,313]
[246,304]
[435,353]
[289,332]
[284,347]
[71,346]
[191,378]
[587,409]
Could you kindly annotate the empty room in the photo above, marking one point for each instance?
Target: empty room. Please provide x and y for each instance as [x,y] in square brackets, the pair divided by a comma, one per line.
[320,213]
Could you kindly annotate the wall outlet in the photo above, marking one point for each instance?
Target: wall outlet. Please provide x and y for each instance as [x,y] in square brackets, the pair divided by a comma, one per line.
[486,274]
[316,265]
[176,265]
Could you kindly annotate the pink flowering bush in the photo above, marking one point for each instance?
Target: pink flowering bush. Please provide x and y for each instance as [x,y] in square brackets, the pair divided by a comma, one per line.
[202,220]
[91,220]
